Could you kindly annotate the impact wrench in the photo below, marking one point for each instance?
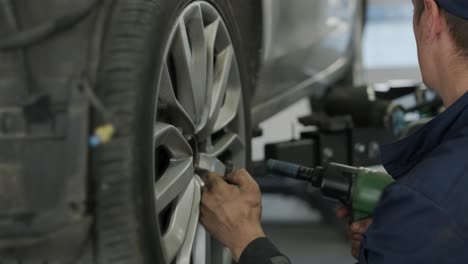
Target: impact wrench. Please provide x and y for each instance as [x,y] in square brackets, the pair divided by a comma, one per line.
[359,189]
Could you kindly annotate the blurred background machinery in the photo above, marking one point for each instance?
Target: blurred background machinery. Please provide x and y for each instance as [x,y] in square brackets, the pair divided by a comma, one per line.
[293,218]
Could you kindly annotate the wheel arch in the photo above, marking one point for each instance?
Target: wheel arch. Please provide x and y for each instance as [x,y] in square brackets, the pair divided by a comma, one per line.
[248,17]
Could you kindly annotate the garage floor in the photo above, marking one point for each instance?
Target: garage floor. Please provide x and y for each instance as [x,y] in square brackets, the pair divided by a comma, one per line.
[308,243]
[290,223]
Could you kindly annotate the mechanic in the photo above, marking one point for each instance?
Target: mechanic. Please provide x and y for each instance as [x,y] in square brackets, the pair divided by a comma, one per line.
[423,216]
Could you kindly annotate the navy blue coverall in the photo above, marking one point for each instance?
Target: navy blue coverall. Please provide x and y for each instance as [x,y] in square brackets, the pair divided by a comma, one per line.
[423,216]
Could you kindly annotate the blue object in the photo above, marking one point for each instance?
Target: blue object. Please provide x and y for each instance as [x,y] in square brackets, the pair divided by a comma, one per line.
[423,217]
[398,122]
[456,7]
[282,168]
[94,141]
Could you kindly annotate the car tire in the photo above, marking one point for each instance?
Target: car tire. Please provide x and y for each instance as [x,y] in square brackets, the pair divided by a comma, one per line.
[138,33]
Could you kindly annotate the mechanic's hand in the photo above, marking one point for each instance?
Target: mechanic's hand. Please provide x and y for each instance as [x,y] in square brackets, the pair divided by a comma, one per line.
[231,210]
[355,230]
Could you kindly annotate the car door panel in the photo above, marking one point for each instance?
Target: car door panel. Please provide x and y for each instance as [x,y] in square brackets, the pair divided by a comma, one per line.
[304,40]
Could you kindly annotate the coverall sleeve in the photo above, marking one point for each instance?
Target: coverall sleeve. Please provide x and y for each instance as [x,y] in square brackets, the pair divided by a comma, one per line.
[409,227]
[262,251]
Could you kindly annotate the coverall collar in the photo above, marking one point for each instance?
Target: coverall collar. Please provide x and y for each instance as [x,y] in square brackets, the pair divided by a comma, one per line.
[400,157]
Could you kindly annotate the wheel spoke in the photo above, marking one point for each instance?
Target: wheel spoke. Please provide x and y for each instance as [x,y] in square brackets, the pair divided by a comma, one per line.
[185,255]
[211,32]
[229,141]
[210,35]
[181,222]
[180,171]
[202,241]
[170,137]
[222,72]
[230,104]
[167,97]
[195,31]
[183,63]
[173,182]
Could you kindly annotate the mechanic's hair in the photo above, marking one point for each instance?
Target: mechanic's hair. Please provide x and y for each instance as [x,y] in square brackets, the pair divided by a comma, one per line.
[457,26]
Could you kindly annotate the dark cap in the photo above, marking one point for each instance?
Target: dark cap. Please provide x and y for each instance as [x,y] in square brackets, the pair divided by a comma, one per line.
[455,7]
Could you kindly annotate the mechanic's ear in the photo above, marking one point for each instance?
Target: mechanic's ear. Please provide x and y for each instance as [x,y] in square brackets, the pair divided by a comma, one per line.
[435,21]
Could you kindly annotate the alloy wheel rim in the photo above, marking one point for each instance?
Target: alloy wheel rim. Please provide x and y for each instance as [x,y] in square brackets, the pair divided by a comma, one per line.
[199,113]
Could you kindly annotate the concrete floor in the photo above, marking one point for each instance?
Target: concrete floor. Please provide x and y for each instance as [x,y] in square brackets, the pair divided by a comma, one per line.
[309,244]
[292,224]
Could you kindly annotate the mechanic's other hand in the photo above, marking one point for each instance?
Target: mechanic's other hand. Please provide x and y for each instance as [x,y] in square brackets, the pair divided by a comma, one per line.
[231,210]
[355,230]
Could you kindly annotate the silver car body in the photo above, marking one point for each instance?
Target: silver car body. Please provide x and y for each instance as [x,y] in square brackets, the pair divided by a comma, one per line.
[307,44]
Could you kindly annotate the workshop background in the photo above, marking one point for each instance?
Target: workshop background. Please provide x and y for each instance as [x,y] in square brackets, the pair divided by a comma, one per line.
[297,229]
